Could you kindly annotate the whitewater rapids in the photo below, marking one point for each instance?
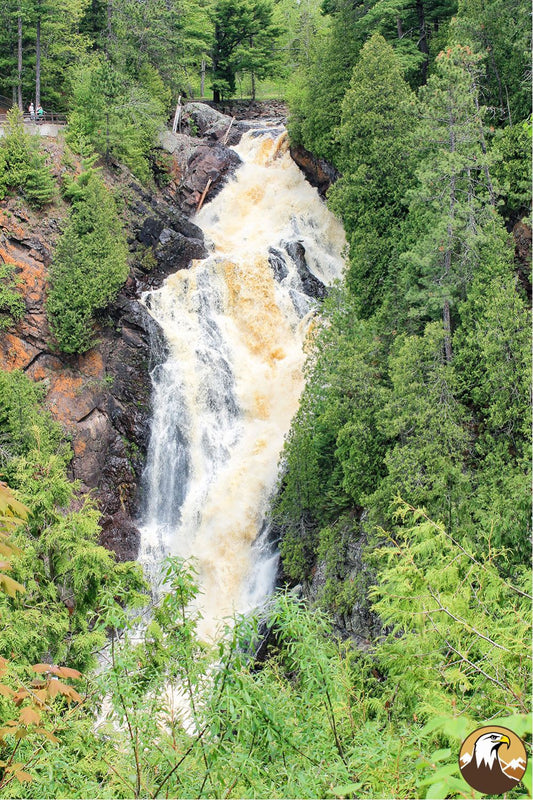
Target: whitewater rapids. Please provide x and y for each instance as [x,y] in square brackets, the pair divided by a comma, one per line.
[235,324]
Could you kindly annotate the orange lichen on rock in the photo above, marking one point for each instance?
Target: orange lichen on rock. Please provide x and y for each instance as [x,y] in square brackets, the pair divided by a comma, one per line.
[8,223]
[6,256]
[79,446]
[92,364]
[15,353]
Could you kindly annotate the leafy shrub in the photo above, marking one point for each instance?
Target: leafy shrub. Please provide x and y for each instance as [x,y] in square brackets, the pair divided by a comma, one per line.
[90,263]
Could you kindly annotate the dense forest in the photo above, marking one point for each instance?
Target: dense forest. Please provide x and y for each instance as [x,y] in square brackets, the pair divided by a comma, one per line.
[404,490]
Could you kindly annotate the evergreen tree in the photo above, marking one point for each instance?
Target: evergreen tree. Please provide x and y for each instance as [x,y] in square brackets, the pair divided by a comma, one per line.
[12,305]
[50,44]
[427,431]
[316,92]
[245,36]
[90,264]
[511,151]
[493,376]
[455,197]
[23,166]
[117,116]
[375,161]
[501,30]
[170,38]
[414,29]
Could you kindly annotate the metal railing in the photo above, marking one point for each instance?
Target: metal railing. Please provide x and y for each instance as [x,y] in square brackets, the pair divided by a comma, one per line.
[48,117]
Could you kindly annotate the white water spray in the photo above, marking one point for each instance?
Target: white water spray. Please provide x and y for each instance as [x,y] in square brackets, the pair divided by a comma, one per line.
[223,401]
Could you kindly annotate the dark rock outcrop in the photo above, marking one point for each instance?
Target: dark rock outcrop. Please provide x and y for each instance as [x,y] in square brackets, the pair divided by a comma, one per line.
[277,262]
[197,164]
[209,166]
[347,603]
[207,122]
[312,286]
[318,171]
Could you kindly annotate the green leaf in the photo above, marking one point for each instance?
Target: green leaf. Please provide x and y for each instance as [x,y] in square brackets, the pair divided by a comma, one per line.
[345,789]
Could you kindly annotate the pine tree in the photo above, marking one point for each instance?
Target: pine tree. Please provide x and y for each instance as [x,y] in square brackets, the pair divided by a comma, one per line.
[455,199]
[374,158]
[24,168]
[244,39]
[89,266]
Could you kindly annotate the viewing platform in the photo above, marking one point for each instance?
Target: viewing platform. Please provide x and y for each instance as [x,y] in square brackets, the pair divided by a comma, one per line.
[48,125]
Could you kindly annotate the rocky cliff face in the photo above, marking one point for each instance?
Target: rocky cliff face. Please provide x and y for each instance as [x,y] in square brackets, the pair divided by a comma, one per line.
[102,398]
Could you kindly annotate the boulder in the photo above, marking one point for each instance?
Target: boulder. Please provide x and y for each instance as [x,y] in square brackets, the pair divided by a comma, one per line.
[180,144]
[207,122]
[175,250]
[276,261]
[209,165]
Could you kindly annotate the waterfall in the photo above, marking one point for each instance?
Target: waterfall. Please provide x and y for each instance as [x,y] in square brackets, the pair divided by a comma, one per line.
[223,401]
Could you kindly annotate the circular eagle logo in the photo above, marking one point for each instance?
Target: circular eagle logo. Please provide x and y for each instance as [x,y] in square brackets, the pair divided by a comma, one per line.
[492,760]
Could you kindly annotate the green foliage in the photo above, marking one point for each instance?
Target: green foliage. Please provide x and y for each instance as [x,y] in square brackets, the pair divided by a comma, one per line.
[493,361]
[117,116]
[374,159]
[512,168]
[22,165]
[316,91]
[317,719]
[500,29]
[61,45]
[474,654]
[455,196]
[244,41]
[90,263]
[12,514]
[169,38]
[12,306]
[65,572]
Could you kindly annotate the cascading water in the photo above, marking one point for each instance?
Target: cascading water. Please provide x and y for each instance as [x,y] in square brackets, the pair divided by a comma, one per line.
[223,401]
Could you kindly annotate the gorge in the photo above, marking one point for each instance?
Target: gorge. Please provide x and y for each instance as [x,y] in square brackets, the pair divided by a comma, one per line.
[265,452]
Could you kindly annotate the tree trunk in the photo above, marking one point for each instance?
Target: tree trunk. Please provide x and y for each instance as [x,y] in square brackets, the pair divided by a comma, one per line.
[19,62]
[447,332]
[202,80]
[109,25]
[446,317]
[399,27]
[423,44]
[252,75]
[38,65]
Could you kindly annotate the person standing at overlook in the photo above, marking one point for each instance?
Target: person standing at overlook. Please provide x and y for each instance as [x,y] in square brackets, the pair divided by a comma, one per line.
[31,110]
